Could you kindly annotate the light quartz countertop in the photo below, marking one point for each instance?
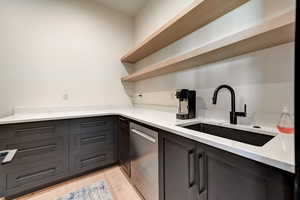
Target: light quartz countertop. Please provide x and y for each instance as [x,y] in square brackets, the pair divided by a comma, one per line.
[278,152]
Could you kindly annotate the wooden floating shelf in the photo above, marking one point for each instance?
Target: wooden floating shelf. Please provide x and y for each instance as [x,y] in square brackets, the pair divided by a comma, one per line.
[200,13]
[270,33]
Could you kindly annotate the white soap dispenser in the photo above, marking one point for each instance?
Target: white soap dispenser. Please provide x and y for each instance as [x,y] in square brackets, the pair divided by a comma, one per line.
[285,124]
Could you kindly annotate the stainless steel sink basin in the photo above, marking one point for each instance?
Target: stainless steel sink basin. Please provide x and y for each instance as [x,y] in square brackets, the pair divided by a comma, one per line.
[232,134]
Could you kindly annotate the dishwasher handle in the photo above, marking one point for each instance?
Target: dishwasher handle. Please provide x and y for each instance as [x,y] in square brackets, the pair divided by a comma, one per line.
[9,155]
[145,136]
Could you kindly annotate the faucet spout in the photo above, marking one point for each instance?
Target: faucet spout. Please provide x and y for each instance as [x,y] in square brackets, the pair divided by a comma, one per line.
[233,114]
[232,93]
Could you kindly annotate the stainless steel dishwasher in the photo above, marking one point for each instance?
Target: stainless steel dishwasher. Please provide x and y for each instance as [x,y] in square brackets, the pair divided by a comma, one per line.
[144,161]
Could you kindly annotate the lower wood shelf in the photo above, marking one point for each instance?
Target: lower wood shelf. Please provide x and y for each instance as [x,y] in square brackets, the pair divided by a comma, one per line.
[272,32]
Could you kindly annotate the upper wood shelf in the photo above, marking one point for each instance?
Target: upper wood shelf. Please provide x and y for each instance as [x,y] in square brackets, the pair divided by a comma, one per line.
[200,13]
[269,33]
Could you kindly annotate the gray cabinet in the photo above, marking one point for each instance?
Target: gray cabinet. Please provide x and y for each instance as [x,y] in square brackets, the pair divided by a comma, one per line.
[36,142]
[219,175]
[93,143]
[41,157]
[29,177]
[55,150]
[39,150]
[231,177]
[177,168]
[32,131]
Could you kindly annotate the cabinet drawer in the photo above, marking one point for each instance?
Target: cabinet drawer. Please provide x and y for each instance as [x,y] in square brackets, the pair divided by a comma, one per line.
[29,152]
[27,177]
[178,167]
[92,141]
[231,177]
[83,162]
[33,131]
[92,125]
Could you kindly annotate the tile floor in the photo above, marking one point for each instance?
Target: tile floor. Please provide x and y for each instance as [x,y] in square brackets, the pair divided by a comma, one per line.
[119,186]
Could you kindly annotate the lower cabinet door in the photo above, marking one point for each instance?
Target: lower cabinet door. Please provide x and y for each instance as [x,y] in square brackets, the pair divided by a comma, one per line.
[230,177]
[93,143]
[33,176]
[178,168]
[84,162]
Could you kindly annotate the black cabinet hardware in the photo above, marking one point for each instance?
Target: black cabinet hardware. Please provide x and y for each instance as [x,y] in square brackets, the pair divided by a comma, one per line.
[191,168]
[201,172]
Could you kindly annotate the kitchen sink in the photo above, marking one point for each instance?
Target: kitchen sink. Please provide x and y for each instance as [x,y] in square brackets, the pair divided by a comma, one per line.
[232,134]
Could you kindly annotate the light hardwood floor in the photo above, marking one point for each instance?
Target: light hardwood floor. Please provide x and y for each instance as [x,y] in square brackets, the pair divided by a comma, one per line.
[119,186]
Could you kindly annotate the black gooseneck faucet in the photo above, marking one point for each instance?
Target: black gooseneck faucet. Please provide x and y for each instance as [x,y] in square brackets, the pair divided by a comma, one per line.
[233,114]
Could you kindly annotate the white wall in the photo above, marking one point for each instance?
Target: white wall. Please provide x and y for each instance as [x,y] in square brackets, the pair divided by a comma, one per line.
[54,47]
[263,80]
[154,14]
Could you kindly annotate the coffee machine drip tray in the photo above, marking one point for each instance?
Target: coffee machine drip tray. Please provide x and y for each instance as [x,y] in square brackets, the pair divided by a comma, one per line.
[182,116]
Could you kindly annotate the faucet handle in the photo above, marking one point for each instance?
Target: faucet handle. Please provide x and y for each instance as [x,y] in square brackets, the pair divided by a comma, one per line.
[242,114]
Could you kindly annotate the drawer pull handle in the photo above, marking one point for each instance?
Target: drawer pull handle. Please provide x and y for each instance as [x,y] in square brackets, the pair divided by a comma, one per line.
[90,140]
[202,178]
[43,173]
[39,148]
[97,158]
[191,168]
[35,131]
[93,124]
[143,135]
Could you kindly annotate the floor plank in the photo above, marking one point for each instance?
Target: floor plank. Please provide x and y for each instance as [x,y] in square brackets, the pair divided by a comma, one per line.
[118,183]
